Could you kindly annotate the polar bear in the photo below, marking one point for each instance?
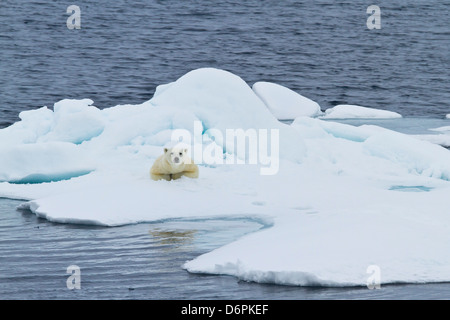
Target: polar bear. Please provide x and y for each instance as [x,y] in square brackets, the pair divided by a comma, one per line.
[173,164]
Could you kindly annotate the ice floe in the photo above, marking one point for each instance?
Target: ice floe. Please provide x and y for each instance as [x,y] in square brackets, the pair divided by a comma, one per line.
[339,203]
[346,111]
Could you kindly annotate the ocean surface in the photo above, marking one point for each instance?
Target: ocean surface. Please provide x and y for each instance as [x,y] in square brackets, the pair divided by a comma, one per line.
[321,49]
[144,261]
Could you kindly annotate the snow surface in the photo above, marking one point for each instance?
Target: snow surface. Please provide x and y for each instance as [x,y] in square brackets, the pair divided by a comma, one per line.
[344,198]
[348,111]
[284,103]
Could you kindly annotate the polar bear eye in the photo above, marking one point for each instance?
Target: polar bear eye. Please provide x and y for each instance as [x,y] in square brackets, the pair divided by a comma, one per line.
[171,153]
[181,153]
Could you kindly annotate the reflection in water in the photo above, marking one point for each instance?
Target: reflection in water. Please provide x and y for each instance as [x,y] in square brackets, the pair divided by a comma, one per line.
[173,237]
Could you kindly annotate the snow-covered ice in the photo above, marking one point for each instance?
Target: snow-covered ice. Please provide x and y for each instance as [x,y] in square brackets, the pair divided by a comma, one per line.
[344,198]
[284,103]
[434,130]
[440,139]
[348,111]
[441,136]
[442,129]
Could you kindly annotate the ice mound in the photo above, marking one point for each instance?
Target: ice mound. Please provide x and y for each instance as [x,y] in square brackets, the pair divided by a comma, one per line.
[340,202]
[347,111]
[44,145]
[284,103]
[218,98]
[75,121]
[222,100]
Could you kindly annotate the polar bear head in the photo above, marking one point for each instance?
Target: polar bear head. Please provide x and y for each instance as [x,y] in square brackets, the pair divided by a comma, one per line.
[177,155]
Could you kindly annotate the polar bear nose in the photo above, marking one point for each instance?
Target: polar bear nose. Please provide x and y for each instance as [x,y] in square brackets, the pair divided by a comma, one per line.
[176,160]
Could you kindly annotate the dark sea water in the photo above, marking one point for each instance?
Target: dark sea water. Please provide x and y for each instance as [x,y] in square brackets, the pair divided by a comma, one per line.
[124,49]
[321,49]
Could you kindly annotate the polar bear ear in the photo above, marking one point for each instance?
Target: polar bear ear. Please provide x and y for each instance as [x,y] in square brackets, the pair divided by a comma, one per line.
[185,150]
[165,150]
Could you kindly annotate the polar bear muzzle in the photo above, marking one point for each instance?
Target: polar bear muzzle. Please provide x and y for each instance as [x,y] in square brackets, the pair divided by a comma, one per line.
[177,156]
